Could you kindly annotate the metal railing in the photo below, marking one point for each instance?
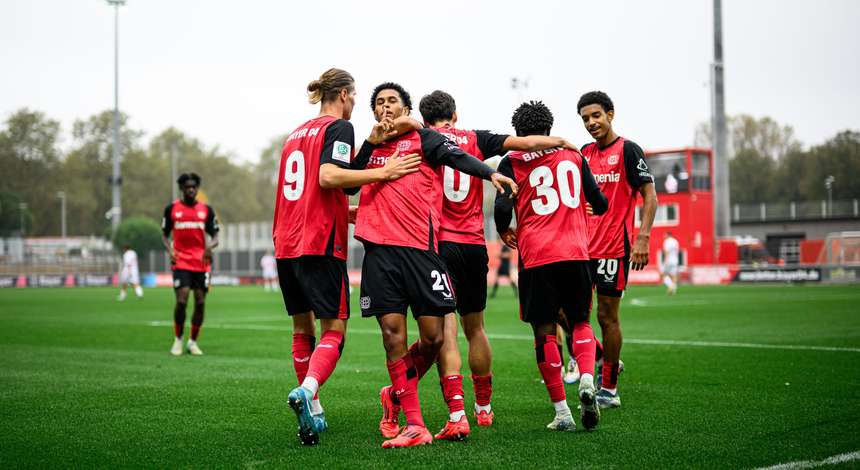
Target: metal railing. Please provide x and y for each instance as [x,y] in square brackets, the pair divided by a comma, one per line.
[806,210]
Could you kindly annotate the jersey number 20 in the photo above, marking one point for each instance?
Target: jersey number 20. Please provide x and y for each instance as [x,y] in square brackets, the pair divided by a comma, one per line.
[542,179]
[294,176]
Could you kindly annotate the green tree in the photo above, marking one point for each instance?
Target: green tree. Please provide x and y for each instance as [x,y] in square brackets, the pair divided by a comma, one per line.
[29,158]
[140,233]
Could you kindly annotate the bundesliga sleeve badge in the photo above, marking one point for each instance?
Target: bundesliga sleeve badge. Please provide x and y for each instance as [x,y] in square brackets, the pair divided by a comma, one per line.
[341,151]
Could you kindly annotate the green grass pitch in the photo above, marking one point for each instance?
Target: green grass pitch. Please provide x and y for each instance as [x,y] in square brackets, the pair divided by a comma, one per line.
[86,381]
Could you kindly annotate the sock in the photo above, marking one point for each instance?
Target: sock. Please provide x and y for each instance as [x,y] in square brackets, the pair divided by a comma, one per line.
[122,294]
[561,408]
[549,363]
[197,319]
[422,358]
[452,392]
[609,375]
[316,406]
[483,385]
[138,291]
[667,281]
[403,384]
[324,358]
[303,346]
[178,319]
[583,346]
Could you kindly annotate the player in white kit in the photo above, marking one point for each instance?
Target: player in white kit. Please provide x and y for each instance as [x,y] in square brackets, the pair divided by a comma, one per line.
[669,270]
[129,274]
[270,272]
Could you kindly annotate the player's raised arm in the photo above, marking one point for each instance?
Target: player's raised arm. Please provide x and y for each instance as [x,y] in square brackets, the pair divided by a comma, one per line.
[440,151]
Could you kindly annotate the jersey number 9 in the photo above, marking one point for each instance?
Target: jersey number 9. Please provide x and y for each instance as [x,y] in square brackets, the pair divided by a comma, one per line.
[294,176]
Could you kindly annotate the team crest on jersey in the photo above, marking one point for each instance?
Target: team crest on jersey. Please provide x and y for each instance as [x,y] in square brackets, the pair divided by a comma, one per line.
[201,214]
[403,145]
[364,302]
[613,159]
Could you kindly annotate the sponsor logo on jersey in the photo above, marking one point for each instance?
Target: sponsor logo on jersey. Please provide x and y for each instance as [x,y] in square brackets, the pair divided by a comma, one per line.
[364,302]
[611,177]
[201,214]
[341,151]
[403,145]
[177,214]
[189,225]
[612,160]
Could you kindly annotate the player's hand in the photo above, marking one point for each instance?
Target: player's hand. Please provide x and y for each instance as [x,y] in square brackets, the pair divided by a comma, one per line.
[504,184]
[397,167]
[207,256]
[352,214]
[380,131]
[588,209]
[567,145]
[509,238]
[172,257]
[639,256]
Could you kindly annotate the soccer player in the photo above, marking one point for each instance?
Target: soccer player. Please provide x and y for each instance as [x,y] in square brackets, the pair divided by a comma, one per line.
[310,235]
[464,251]
[398,222]
[270,272]
[504,270]
[129,274]
[552,238]
[669,269]
[619,168]
[190,256]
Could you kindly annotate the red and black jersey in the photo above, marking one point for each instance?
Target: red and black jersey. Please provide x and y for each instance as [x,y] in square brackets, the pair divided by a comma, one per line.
[550,210]
[462,206]
[311,220]
[406,212]
[619,170]
[189,225]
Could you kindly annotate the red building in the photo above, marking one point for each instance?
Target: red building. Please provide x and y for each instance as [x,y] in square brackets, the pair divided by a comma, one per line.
[685,205]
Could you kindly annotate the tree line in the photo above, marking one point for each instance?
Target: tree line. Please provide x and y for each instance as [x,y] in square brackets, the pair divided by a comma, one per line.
[768,164]
[35,168]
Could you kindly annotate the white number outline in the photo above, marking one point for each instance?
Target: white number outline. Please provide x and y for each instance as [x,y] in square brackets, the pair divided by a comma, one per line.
[542,179]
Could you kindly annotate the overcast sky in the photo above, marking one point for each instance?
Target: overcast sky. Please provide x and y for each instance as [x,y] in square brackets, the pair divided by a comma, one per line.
[234,73]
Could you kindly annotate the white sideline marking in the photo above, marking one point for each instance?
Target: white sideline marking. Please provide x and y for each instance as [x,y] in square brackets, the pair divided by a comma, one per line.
[656,342]
[834,460]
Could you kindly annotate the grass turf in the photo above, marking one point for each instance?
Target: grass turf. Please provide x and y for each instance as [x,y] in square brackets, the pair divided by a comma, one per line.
[86,381]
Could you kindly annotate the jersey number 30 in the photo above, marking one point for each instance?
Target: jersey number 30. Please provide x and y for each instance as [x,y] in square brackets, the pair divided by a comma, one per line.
[547,200]
[294,176]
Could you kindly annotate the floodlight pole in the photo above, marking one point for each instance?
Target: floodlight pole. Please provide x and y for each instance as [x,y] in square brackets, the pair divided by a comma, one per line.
[116,178]
[718,125]
[62,196]
[828,183]
[22,208]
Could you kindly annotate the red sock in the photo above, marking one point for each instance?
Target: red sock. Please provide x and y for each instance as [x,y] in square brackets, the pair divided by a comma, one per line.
[422,358]
[325,356]
[195,330]
[583,346]
[303,347]
[177,328]
[549,363]
[483,385]
[404,385]
[452,391]
[610,374]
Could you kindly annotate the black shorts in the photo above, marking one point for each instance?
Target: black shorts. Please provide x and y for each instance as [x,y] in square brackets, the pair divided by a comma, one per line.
[467,266]
[546,289]
[315,283]
[504,268]
[610,275]
[193,279]
[396,277]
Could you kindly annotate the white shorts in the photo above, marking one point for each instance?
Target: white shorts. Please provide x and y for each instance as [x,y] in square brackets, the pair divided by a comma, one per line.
[670,269]
[267,274]
[128,276]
